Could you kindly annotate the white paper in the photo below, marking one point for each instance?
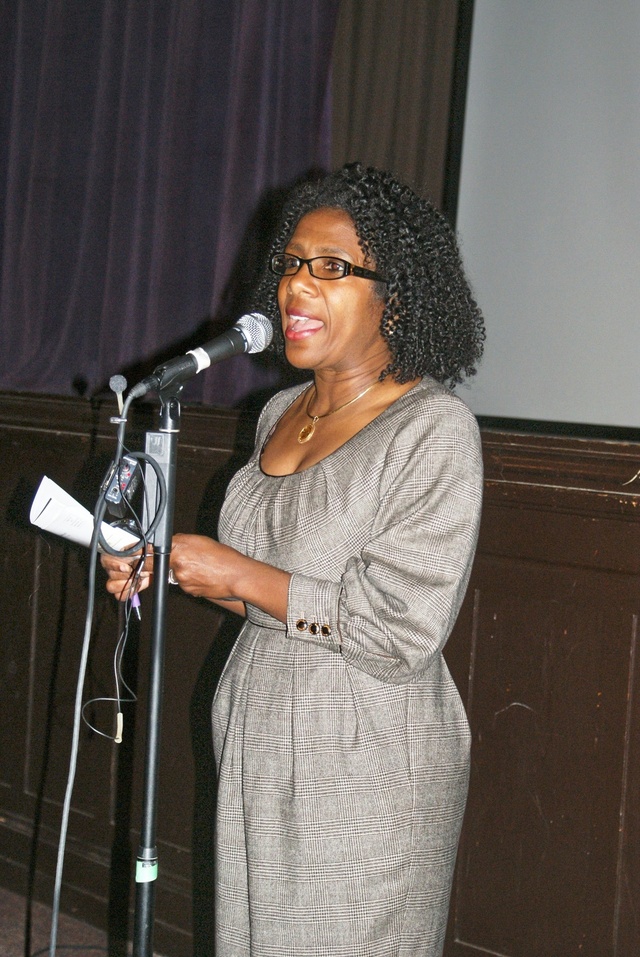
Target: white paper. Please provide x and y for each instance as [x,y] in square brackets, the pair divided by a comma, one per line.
[54,510]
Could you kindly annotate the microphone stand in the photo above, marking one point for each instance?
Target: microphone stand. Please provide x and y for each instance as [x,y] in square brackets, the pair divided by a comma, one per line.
[252,333]
[162,446]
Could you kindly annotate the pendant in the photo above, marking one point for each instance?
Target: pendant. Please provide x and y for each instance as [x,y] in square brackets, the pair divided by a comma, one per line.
[306,432]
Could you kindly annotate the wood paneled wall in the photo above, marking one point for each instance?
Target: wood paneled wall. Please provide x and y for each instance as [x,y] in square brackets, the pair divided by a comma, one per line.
[544,653]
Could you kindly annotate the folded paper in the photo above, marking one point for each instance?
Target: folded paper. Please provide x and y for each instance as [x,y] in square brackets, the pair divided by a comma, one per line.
[54,510]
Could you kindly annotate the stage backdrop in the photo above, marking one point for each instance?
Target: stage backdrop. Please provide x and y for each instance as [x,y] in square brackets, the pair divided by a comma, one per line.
[549,208]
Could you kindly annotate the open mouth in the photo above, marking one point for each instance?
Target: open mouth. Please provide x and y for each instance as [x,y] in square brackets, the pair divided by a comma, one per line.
[300,326]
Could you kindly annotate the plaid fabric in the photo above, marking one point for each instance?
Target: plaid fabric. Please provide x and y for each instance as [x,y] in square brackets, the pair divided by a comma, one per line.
[343,748]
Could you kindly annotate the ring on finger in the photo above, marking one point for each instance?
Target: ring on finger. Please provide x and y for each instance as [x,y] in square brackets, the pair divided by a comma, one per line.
[172,578]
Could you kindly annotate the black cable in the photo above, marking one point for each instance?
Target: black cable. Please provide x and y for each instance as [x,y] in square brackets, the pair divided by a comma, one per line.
[64,824]
[98,542]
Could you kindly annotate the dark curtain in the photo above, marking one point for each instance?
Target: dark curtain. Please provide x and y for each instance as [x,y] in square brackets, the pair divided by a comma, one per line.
[145,147]
[393,83]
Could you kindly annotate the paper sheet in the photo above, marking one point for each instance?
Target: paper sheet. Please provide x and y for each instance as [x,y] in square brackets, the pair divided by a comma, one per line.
[54,510]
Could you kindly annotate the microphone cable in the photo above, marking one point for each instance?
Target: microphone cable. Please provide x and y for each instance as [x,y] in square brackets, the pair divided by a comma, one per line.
[98,543]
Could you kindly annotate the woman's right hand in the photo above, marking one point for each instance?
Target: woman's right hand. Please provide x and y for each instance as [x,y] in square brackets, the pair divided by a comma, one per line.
[127,576]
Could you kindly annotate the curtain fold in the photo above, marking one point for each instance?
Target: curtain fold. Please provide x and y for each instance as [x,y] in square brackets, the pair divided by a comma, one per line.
[143,144]
[392,84]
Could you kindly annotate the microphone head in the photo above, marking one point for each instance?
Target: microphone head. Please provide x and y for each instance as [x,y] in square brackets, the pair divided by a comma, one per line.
[257,330]
[117,384]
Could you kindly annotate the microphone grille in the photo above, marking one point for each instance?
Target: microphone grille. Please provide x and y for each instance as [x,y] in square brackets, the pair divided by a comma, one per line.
[257,331]
[117,383]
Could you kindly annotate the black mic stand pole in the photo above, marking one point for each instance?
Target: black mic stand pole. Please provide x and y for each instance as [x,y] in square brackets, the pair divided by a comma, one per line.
[162,446]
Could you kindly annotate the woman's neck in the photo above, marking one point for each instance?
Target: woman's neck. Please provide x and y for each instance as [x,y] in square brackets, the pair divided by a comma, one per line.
[332,389]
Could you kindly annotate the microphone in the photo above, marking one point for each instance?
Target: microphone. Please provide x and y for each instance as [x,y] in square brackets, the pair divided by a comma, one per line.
[118,384]
[251,333]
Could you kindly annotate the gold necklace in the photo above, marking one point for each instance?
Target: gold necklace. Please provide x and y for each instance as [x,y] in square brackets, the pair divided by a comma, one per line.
[306,432]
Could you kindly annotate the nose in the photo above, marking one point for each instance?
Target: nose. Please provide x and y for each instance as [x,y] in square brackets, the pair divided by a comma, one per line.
[302,279]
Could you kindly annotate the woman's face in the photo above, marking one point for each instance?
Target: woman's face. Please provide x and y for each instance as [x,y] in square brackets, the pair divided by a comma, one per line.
[330,325]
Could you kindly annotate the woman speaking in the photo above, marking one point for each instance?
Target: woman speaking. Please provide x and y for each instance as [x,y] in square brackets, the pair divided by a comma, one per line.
[347,541]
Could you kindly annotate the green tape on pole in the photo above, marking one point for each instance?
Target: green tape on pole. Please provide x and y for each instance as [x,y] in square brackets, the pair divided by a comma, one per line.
[146,871]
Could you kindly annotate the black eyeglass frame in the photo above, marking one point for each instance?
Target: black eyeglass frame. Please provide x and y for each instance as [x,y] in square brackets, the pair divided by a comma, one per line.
[349,268]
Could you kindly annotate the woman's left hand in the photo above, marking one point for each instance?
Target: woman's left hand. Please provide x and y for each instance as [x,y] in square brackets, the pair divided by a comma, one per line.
[203,567]
[207,569]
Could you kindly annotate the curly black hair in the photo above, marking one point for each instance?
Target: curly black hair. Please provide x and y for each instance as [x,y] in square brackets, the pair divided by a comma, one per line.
[431,321]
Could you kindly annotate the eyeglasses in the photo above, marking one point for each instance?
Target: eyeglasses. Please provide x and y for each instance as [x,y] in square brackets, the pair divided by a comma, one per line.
[320,267]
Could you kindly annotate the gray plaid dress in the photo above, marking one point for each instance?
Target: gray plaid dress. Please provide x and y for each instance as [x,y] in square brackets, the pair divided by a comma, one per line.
[341,741]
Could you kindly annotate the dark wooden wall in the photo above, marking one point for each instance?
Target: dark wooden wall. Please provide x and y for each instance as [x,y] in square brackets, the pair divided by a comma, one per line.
[543,652]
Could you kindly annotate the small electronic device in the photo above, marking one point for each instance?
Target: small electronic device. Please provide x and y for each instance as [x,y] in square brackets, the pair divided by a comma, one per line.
[120,485]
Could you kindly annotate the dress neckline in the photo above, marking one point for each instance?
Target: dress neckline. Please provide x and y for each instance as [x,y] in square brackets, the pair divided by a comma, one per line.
[335,451]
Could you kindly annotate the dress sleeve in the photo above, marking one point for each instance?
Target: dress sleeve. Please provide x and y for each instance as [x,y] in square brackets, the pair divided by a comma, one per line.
[397,600]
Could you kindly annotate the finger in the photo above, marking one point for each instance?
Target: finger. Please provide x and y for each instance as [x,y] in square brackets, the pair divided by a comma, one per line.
[121,573]
[110,562]
[124,588]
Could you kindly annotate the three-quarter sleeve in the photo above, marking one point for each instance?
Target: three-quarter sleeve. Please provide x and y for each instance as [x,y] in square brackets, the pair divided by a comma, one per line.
[399,595]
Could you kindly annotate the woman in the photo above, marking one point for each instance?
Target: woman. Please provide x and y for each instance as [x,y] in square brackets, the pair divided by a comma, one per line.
[347,541]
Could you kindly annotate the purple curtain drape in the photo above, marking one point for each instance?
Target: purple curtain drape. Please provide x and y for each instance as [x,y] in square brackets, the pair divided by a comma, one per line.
[144,148]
